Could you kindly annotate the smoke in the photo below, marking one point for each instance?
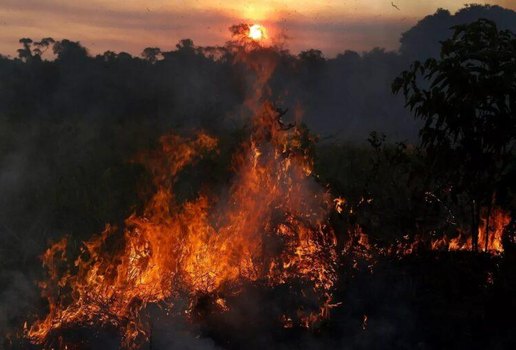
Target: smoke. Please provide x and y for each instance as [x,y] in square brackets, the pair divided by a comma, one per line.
[175,332]
[20,234]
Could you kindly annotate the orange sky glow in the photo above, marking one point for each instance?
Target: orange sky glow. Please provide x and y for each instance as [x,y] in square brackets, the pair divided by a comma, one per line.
[131,25]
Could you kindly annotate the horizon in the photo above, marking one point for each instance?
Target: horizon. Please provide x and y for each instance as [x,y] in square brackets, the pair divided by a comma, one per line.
[332,27]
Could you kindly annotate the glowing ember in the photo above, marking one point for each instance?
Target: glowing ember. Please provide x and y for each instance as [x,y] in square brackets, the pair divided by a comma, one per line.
[256,32]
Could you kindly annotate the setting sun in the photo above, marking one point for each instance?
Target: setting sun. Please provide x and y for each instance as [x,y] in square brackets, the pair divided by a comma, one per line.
[256,32]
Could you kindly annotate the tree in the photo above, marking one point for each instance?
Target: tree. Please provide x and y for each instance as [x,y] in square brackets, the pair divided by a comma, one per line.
[423,40]
[25,53]
[467,100]
[43,45]
[151,54]
[186,45]
[70,50]
[312,56]
[108,56]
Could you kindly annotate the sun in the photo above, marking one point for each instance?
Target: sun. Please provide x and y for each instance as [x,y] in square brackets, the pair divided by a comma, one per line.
[257,32]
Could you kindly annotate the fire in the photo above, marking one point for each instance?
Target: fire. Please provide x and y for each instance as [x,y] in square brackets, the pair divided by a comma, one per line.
[269,226]
[256,32]
[272,229]
[489,238]
[202,246]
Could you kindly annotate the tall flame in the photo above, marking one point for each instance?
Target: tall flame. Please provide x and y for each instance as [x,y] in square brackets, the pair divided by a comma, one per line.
[489,238]
[270,226]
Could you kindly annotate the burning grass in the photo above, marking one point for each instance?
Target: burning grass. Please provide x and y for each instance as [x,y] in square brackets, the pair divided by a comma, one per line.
[270,226]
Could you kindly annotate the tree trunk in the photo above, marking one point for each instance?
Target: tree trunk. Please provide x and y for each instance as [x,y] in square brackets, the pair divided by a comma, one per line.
[474,226]
[487,225]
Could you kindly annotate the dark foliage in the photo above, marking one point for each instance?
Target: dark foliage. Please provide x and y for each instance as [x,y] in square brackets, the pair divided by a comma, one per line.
[468,104]
[423,40]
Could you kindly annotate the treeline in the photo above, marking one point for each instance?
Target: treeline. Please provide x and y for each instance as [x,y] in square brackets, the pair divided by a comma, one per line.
[344,97]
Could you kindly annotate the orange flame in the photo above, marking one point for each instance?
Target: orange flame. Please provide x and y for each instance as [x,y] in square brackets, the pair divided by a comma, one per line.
[498,220]
[270,226]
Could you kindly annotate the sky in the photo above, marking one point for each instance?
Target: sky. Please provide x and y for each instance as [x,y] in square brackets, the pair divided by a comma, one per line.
[131,25]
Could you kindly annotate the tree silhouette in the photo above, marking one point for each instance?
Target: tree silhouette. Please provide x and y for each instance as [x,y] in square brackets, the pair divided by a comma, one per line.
[43,45]
[70,50]
[467,100]
[185,45]
[423,40]
[312,56]
[151,54]
[25,53]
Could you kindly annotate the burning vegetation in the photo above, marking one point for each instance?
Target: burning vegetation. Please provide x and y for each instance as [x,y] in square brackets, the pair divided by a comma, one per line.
[490,234]
[269,226]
